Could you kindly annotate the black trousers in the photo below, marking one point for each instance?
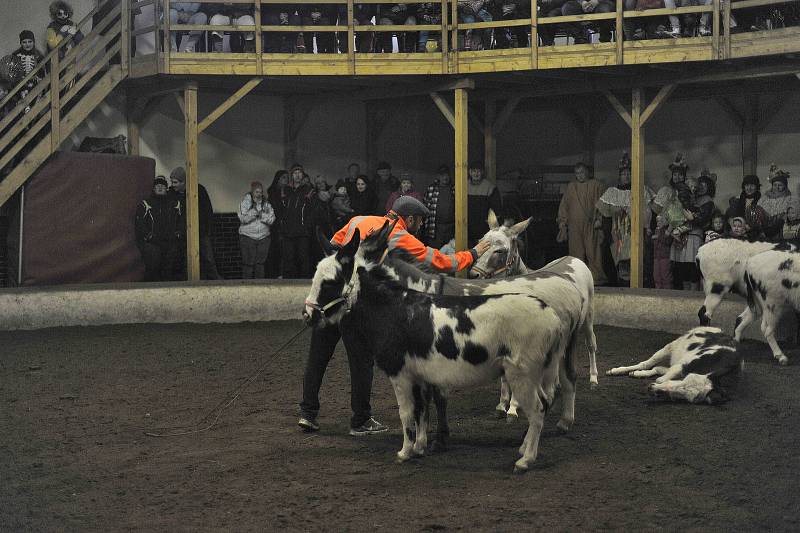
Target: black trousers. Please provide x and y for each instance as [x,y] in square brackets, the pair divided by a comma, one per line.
[295,259]
[323,344]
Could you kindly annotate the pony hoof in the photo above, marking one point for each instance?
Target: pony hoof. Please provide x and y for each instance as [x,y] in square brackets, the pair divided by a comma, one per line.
[593,384]
[402,458]
[499,413]
[438,446]
[564,426]
[783,360]
[519,470]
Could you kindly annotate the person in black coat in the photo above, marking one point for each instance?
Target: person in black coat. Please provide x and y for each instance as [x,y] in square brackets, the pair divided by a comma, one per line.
[296,226]
[158,226]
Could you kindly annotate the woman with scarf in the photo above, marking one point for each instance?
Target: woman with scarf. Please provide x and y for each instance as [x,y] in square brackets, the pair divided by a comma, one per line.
[775,202]
[363,199]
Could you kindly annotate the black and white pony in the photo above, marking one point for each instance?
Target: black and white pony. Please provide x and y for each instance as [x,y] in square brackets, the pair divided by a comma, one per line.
[423,341]
[700,366]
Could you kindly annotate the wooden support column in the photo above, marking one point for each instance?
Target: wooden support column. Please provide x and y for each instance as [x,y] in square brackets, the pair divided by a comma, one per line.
[490,141]
[637,189]
[750,143]
[259,38]
[636,120]
[228,103]
[460,174]
[192,210]
[295,114]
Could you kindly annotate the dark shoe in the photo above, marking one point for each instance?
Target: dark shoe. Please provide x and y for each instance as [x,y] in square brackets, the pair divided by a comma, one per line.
[368,428]
[308,424]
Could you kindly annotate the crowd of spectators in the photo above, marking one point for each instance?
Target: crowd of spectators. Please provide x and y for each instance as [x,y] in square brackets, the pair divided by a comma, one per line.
[682,215]
[281,228]
[468,11]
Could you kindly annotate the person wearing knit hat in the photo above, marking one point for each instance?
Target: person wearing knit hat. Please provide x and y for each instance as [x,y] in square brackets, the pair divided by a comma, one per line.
[27,56]
[406,217]
[158,227]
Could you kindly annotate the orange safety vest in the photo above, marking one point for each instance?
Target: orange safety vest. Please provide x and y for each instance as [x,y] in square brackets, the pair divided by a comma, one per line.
[401,238]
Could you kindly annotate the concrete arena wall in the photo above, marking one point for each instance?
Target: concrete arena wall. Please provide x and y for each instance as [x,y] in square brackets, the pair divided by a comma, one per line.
[251,301]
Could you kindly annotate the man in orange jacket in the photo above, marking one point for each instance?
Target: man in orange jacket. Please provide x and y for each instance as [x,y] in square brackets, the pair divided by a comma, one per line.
[409,213]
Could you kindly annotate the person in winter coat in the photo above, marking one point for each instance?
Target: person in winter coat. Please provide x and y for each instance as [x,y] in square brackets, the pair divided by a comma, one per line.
[296,226]
[256,216]
[406,189]
[158,229]
[276,197]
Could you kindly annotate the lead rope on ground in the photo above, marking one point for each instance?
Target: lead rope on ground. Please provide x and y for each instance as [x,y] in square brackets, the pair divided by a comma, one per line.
[232,396]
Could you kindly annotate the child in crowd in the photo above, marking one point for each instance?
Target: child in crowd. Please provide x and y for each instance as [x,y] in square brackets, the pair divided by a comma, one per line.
[341,206]
[662,267]
[738,228]
[717,227]
[791,225]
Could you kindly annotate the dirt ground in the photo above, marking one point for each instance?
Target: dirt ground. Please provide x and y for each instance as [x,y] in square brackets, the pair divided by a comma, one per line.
[75,404]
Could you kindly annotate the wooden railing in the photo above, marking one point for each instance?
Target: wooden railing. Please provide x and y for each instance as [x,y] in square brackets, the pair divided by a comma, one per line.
[58,94]
[717,45]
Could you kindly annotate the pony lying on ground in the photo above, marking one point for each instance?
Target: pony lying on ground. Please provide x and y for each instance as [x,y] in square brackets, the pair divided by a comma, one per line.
[421,340]
[697,367]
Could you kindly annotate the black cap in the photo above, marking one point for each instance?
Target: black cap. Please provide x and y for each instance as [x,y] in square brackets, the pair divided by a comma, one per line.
[26,34]
[383,165]
[162,180]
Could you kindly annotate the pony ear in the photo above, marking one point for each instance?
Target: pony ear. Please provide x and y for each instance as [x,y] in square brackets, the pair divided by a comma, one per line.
[520,227]
[324,243]
[349,249]
[492,220]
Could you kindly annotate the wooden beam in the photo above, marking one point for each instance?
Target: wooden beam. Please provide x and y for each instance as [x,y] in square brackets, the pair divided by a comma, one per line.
[192,180]
[490,141]
[461,156]
[258,37]
[637,190]
[179,100]
[445,108]
[534,35]
[659,99]
[411,90]
[620,31]
[732,111]
[227,104]
[618,107]
[505,114]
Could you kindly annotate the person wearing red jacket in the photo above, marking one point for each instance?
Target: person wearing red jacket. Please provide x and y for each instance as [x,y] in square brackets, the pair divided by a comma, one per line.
[409,215]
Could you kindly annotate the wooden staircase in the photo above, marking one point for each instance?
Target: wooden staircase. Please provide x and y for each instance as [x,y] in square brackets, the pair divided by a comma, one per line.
[70,88]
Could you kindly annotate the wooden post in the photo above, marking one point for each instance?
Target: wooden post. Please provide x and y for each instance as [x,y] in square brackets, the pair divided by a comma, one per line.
[259,38]
[351,35]
[717,54]
[461,155]
[125,37]
[55,103]
[134,147]
[192,208]
[637,189]
[167,41]
[726,25]
[454,36]
[490,140]
[534,36]
[620,30]
[443,39]
[750,161]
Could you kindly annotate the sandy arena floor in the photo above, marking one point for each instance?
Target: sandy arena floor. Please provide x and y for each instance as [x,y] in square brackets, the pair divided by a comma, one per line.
[75,404]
